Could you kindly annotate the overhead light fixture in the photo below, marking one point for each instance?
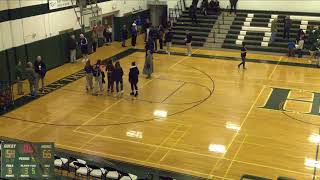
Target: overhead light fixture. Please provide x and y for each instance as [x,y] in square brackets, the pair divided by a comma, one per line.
[311,163]
[314,138]
[135,134]
[233,126]
[217,148]
[160,113]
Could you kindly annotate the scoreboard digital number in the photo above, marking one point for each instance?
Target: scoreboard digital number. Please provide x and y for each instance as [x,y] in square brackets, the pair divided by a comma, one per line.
[27,160]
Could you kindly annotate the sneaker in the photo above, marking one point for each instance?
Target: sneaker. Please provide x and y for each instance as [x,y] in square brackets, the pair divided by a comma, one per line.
[121,91]
[136,94]
[131,94]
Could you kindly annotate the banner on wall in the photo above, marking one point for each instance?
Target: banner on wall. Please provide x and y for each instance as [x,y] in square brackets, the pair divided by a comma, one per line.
[57,4]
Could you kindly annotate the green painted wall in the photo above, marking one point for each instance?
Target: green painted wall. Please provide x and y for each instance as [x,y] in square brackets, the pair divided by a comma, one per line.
[54,51]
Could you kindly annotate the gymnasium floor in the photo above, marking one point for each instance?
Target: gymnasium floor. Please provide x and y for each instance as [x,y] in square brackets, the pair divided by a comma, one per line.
[210,103]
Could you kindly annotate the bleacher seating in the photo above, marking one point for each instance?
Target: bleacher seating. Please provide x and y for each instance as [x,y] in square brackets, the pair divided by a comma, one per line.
[199,31]
[254,30]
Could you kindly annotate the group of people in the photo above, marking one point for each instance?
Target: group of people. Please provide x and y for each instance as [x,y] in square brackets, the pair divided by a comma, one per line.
[114,76]
[33,73]
[101,35]
[213,5]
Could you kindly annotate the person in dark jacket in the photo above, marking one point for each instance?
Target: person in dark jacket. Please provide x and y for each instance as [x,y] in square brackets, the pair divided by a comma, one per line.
[134,34]
[147,26]
[84,47]
[19,74]
[73,48]
[195,2]
[134,79]
[168,39]
[299,35]
[243,56]
[109,70]
[193,14]
[124,35]
[161,35]
[287,27]
[204,7]
[188,41]
[31,76]
[117,75]
[89,76]
[97,69]
[233,6]
[216,6]
[149,45]
[41,70]
[154,36]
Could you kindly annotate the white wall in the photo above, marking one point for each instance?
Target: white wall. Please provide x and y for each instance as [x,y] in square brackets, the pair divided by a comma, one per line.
[22,31]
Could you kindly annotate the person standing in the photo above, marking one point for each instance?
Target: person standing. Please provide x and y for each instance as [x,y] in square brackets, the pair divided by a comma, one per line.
[94,37]
[147,26]
[291,46]
[73,48]
[139,24]
[134,34]
[274,29]
[109,70]
[89,76]
[188,41]
[204,7]
[100,30]
[118,74]
[149,46]
[124,35]
[168,39]
[193,14]
[233,6]
[84,47]
[154,36]
[19,74]
[97,68]
[243,56]
[109,31]
[31,76]
[161,34]
[41,70]
[134,79]
[148,65]
[300,46]
[287,27]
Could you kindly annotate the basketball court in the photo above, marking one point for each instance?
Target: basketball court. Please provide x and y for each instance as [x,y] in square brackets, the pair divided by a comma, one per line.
[220,122]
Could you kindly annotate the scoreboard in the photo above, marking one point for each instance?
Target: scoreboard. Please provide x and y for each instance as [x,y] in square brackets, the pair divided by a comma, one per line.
[27,160]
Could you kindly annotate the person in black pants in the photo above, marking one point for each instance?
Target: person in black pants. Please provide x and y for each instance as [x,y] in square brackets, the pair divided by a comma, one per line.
[109,70]
[233,6]
[149,46]
[193,14]
[286,27]
[133,79]
[243,56]
[161,35]
[124,34]
[134,34]
[117,75]
[154,36]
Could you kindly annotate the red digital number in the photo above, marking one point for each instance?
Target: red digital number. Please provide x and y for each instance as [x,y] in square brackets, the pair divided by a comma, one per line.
[27,148]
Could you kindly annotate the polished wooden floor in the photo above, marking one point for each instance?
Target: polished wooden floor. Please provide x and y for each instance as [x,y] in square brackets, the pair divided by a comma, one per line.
[203,98]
